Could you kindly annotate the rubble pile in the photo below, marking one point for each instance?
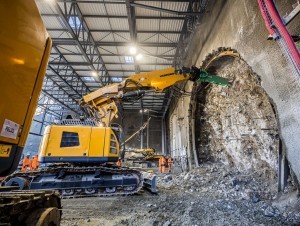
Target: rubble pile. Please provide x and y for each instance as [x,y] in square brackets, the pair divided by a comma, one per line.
[212,194]
[225,196]
[230,182]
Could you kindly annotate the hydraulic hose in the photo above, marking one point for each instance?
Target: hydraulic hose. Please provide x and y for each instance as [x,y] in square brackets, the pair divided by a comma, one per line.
[274,24]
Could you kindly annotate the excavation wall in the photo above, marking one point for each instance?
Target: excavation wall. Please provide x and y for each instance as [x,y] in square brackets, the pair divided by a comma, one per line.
[236,125]
[238,24]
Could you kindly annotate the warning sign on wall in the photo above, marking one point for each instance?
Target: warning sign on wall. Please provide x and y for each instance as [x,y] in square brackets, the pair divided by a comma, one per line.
[10,129]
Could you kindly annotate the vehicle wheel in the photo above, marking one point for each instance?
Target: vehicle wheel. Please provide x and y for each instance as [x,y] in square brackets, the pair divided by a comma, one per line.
[44,217]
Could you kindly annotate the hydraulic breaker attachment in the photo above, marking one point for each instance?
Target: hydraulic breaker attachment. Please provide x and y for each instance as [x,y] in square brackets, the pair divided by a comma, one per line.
[205,77]
[198,75]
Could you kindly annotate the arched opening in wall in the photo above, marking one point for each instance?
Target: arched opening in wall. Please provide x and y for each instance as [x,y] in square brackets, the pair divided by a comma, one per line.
[235,125]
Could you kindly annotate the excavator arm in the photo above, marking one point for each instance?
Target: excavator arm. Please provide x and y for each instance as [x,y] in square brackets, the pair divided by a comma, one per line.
[102,103]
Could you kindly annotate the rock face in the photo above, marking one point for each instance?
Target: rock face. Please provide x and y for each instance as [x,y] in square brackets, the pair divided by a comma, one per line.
[244,30]
[237,125]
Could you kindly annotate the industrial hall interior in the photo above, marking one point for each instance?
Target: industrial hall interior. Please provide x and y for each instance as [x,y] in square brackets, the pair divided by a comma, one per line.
[150,112]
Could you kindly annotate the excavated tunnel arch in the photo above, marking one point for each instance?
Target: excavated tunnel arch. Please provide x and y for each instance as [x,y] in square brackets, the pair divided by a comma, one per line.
[236,125]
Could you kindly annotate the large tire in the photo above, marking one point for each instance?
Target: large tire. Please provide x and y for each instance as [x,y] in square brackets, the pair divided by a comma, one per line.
[44,217]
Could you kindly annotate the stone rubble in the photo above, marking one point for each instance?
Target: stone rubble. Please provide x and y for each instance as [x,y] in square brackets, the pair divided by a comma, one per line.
[211,194]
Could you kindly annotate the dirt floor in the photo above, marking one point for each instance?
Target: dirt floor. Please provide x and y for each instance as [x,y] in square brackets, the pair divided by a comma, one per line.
[212,194]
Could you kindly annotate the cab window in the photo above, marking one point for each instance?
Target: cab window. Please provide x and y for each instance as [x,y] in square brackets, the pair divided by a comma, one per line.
[69,139]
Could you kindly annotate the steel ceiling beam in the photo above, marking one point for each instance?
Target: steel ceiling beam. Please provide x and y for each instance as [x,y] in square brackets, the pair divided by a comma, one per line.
[53,90]
[179,13]
[119,31]
[71,14]
[56,98]
[132,28]
[68,84]
[69,63]
[121,17]
[112,63]
[106,54]
[69,41]
[47,114]
[50,84]
[68,12]
[68,75]
[140,31]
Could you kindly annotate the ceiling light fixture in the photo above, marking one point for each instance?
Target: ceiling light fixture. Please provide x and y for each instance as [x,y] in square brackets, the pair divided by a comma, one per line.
[139,56]
[132,50]
[94,73]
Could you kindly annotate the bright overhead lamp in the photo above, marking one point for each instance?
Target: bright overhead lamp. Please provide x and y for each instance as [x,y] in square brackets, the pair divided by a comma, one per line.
[94,73]
[132,50]
[139,56]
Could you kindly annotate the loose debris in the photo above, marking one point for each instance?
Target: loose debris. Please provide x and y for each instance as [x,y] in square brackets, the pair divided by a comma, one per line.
[212,194]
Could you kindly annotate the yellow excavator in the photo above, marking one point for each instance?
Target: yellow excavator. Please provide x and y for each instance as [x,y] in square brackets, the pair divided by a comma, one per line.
[24,52]
[143,155]
[83,152]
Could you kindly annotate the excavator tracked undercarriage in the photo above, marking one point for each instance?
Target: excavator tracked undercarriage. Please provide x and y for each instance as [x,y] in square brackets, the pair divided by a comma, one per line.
[79,181]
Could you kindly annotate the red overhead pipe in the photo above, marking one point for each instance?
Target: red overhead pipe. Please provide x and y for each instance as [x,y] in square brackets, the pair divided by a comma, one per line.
[274,24]
[266,17]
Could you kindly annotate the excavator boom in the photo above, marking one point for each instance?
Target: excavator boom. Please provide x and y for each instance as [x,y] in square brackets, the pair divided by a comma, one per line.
[101,104]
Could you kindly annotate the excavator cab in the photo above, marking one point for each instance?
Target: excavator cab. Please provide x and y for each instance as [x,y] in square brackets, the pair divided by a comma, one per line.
[79,144]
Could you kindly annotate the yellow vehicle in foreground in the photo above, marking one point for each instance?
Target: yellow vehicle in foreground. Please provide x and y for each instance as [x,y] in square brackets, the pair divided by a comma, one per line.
[24,51]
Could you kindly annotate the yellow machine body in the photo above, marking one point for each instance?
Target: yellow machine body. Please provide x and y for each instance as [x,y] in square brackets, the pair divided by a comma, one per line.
[80,144]
[99,144]
[24,52]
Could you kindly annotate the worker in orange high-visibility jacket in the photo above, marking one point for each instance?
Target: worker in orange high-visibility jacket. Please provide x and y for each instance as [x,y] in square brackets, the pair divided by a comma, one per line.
[34,163]
[170,162]
[162,164]
[26,163]
[159,164]
[119,163]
